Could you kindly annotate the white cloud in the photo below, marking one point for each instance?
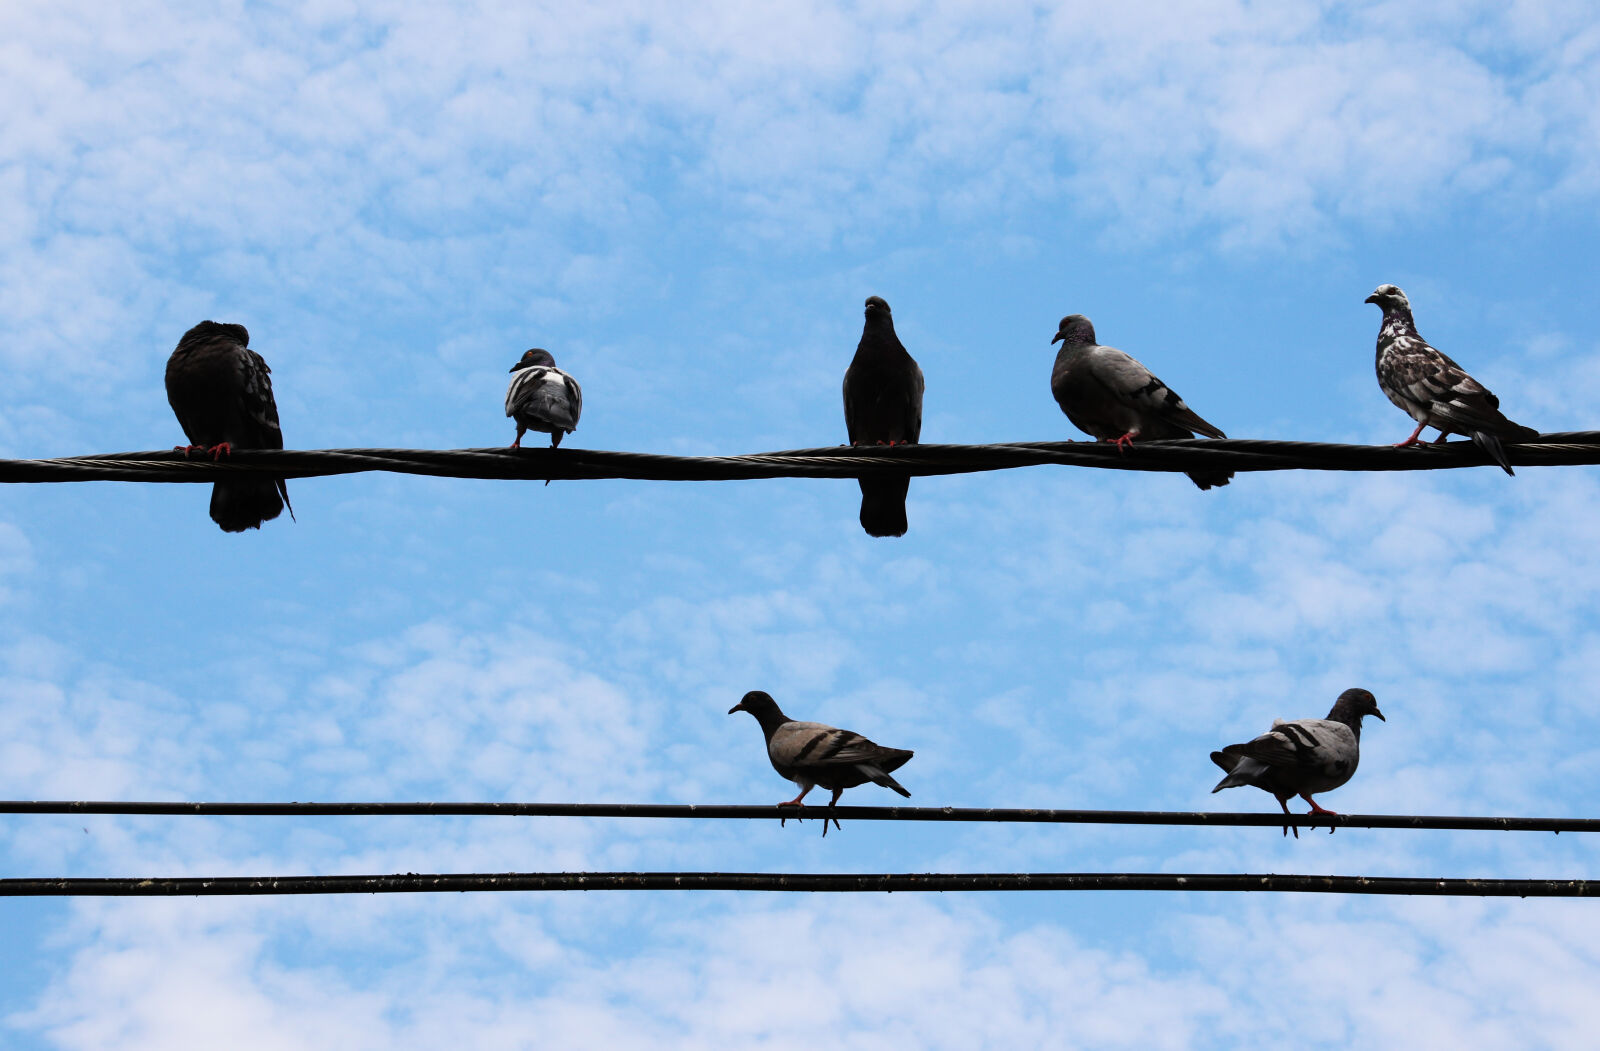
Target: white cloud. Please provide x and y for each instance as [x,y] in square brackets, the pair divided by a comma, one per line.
[897,969]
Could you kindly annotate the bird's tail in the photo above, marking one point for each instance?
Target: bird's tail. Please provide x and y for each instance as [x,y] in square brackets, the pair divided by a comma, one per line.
[883,505]
[1241,771]
[1210,479]
[878,777]
[241,505]
[1489,442]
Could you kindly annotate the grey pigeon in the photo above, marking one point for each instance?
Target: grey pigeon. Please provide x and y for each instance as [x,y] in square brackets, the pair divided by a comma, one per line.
[1303,757]
[1432,389]
[542,398]
[1107,393]
[221,392]
[882,406]
[811,754]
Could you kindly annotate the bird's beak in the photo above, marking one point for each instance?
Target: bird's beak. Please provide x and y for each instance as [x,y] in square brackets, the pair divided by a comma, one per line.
[515,367]
[736,708]
[1058,338]
[1371,299]
[1379,715]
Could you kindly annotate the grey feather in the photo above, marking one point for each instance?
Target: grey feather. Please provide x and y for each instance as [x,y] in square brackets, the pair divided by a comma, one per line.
[1110,395]
[1302,757]
[811,754]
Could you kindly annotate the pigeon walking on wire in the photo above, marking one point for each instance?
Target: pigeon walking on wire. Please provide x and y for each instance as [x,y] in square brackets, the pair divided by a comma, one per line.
[882,406]
[811,754]
[542,398]
[1303,757]
[1433,389]
[1108,394]
[221,392]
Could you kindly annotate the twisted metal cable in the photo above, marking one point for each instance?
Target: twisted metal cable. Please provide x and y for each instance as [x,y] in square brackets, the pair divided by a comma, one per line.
[1557,449]
[719,812]
[812,882]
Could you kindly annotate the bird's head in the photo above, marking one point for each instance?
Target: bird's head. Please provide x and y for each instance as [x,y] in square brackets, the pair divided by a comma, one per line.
[877,308]
[217,330]
[1358,701]
[534,357]
[1074,329]
[1389,297]
[757,703]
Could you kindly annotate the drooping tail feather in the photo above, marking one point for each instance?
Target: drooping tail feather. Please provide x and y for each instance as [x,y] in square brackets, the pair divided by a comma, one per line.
[241,505]
[883,505]
[878,777]
[1210,479]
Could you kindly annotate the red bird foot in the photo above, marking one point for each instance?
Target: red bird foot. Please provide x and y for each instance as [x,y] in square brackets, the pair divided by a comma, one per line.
[219,450]
[798,806]
[1318,809]
[826,817]
[187,449]
[1124,442]
[1409,442]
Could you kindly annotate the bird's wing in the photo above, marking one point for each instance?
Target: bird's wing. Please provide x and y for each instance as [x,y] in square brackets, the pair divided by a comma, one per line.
[258,408]
[1425,376]
[1124,378]
[813,746]
[1299,743]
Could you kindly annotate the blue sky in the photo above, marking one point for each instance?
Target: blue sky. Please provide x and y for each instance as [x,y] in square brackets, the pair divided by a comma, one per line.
[688,209]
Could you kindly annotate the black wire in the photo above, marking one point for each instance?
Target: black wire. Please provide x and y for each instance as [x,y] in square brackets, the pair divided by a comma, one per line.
[853,813]
[413,883]
[1564,449]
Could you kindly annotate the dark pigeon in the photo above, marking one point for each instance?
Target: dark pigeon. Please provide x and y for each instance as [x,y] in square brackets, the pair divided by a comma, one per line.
[1303,757]
[221,392]
[1108,394]
[882,406]
[542,398]
[811,754]
[1434,390]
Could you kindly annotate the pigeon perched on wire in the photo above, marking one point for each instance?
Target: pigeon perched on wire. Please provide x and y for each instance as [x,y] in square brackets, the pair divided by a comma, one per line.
[1303,757]
[542,398]
[882,406]
[221,392]
[811,754]
[1108,394]
[1433,389]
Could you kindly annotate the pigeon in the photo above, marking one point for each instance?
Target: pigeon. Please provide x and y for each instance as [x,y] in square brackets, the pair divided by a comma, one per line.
[1434,390]
[882,406]
[221,392]
[542,398]
[811,754]
[1303,757]
[1110,395]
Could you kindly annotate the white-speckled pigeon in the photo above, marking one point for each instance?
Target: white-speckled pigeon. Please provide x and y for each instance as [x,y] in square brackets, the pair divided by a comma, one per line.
[882,406]
[221,392]
[1303,757]
[1434,390]
[812,754]
[542,398]
[1107,393]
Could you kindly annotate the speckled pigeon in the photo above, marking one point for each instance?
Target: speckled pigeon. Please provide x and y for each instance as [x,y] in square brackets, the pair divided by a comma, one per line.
[812,754]
[221,392]
[882,406]
[1434,390]
[1108,394]
[1303,757]
[542,398]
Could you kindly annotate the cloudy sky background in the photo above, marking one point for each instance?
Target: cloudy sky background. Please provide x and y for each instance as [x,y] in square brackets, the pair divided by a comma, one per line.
[688,208]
